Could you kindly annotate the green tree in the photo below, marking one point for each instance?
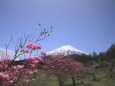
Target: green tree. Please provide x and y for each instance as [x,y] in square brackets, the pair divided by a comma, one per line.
[110,54]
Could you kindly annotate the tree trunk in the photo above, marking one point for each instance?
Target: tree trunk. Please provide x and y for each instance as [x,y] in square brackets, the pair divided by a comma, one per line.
[94,77]
[73,81]
[111,67]
[61,83]
[1,82]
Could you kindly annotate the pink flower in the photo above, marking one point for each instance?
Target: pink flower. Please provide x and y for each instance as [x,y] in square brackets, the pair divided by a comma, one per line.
[10,82]
[25,80]
[33,80]
[38,46]
[29,45]
[4,59]
[33,47]
[20,66]
[21,46]
[30,59]
[37,57]
[43,53]
[14,67]
[14,78]
[22,51]
[1,66]
[32,66]
[35,71]
[3,75]
[29,72]
[27,51]
[35,61]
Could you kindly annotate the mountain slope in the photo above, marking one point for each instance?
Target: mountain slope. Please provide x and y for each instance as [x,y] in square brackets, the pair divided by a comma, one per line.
[66,50]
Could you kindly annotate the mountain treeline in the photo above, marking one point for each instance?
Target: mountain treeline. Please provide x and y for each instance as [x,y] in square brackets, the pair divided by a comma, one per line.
[107,56]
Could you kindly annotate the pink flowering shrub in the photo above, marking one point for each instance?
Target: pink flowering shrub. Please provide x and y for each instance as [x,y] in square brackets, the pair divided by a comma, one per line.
[74,69]
[11,74]
[61,67]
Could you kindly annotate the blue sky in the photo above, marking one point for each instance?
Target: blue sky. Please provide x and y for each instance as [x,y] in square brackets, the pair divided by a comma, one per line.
[88,25]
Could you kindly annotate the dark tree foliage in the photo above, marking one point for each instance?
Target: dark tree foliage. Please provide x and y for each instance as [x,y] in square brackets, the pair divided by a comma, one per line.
[83,58]
[107,56]
[110,53]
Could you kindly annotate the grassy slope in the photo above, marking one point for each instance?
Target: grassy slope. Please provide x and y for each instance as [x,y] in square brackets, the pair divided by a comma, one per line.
[43,80]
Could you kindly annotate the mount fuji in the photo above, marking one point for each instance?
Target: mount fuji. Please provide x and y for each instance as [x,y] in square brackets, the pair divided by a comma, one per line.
[66,50]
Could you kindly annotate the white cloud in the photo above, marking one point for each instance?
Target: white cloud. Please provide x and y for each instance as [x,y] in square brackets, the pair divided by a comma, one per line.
[10,53]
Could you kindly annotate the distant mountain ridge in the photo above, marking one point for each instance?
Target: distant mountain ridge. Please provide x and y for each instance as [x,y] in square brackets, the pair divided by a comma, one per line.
[66,50]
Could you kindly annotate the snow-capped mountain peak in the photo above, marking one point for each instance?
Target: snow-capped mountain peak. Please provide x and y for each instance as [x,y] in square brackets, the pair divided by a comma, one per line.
[66,50]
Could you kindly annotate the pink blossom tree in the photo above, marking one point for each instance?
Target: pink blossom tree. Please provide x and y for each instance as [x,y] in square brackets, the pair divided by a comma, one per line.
[62,68]
[74,68]
[56,66]
[10,73]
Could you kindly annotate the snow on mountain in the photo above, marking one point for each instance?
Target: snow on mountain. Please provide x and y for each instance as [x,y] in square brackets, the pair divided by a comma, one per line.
[66,50]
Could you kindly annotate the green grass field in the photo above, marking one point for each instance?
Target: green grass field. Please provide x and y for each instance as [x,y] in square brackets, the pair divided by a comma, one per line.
[42,79]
